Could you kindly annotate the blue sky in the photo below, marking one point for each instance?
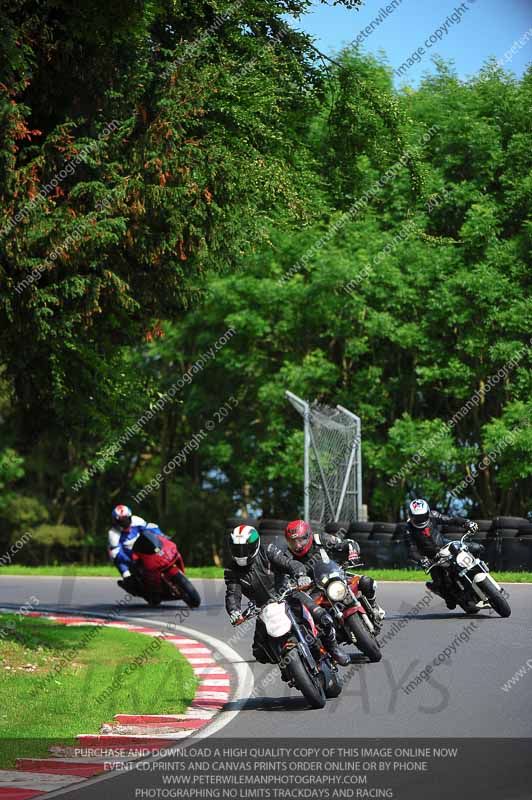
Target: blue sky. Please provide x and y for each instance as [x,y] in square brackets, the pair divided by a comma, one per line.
[482,28]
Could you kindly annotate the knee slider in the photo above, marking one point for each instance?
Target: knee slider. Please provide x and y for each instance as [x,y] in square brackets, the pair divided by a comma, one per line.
[367,586]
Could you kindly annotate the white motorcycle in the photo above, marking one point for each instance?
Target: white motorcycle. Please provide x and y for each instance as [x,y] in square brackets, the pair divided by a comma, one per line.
[468,582]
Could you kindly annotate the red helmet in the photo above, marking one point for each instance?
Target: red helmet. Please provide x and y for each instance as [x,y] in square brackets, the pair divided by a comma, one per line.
[299,537]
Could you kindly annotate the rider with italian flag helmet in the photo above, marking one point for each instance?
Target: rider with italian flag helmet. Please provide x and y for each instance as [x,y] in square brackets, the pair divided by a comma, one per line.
[259,573]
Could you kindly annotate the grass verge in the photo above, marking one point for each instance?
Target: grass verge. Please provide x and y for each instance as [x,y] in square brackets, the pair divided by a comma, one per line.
[72,570]
[60,680]
[419,575]
[103,571]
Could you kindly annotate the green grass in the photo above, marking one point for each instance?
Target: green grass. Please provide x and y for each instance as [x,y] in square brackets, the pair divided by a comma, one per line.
[217,572]
[45,701]
[103,571]
[419,575]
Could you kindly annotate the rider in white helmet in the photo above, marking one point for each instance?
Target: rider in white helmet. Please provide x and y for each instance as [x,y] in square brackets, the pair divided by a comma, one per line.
[424,539]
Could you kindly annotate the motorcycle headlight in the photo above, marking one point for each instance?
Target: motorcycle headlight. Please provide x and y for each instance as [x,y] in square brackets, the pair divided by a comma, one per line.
[336,591]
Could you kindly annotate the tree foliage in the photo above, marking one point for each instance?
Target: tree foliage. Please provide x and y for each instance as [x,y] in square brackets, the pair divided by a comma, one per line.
[369,247]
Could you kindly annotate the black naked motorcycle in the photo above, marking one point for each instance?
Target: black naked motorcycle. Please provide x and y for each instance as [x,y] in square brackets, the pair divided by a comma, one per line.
[293,644]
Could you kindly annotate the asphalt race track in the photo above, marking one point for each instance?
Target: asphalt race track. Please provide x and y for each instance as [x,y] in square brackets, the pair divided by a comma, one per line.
[461,698]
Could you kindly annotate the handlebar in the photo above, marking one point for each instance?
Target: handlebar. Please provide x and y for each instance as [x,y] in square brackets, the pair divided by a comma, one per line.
[352,565]
[439,560]
[252,610]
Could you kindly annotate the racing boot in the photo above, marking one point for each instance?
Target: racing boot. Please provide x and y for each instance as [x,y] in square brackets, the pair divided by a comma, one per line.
[130,585]
[432,587]
[379,612]
[328,636]
[368,587]
[341,658]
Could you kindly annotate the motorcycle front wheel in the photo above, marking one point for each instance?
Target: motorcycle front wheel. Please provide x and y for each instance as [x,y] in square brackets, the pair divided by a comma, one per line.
[187,591]
[498,603]
[359,635]
[309,687]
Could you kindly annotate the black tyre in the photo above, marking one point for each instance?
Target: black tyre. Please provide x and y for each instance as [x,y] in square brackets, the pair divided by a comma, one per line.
[336,528]
[384,527]
[498,603]
[273,537]
[359,635]
[509,522]
[311,688]
[505,533]
[188,593]
[277,525]
[360,536]
[400,530]
[359,527]
[483,524]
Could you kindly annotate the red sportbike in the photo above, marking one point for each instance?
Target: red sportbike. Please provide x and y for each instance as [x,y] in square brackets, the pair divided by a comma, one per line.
[160,571]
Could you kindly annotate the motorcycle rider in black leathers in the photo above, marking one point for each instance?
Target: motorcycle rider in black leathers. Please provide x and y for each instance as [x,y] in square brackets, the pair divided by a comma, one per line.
[306,548]
[260,573]
[424,539]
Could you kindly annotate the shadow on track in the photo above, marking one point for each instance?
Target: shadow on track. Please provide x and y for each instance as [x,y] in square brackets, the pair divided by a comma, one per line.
[268,704]
[438,615]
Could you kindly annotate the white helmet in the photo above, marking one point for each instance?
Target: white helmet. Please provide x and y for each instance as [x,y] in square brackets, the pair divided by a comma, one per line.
[244,544]
[419,513]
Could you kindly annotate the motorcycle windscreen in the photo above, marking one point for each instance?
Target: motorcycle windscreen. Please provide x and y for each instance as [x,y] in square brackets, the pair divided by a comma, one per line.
[275,619]
[323,572]
[147,543]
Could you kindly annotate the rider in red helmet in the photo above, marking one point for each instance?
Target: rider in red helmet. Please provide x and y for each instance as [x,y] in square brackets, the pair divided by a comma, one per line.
[305,547]
[300,543]
[299,536]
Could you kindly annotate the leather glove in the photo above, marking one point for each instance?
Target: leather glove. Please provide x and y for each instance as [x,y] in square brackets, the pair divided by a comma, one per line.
[425,562]
[235,617]
[303,582]
[354,550]
[472,527]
